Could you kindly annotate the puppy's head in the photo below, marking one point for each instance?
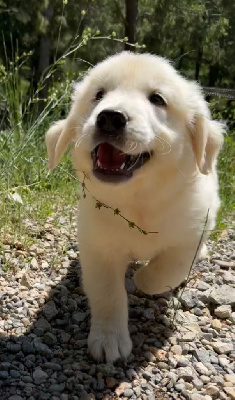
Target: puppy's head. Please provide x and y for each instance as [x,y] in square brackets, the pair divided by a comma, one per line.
[133,112]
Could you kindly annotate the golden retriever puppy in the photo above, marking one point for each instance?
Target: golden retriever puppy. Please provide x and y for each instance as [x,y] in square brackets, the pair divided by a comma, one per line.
[143,137]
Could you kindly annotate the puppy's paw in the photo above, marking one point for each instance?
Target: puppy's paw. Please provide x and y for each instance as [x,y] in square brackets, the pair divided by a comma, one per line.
[109,345]
[145,281]
[150,282]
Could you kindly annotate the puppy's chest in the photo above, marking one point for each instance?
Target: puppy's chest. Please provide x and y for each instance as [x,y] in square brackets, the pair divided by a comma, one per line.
[141,245]
[142,218]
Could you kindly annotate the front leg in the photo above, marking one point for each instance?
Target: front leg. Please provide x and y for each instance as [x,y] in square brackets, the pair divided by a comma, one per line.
[166,271]
[103,280]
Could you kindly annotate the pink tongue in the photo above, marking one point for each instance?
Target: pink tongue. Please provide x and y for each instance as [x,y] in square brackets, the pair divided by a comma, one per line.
[110,157]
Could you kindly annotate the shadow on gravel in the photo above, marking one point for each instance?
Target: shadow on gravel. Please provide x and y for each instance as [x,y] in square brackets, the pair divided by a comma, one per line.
[50,360]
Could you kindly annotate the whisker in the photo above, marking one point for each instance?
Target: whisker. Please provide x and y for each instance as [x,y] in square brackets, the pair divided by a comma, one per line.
[133,146]
[163,142]
[80,139]
[137,159]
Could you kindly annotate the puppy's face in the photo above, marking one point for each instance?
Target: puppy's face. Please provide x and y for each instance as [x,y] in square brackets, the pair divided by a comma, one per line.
[132,113]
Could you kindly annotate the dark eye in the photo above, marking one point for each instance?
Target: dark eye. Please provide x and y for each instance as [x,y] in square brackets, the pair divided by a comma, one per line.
[157,99]
[100,94]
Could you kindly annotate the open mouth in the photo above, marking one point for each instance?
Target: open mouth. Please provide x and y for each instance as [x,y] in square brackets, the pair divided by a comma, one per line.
[110,164]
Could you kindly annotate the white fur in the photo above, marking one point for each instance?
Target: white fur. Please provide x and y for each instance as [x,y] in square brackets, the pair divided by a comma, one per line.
[171,194]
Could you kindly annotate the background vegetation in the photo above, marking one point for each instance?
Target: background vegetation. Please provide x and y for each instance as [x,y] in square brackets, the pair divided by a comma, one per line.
[48,45]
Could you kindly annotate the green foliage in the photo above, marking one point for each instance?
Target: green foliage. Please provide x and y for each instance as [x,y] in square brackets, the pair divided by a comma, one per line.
[227,177]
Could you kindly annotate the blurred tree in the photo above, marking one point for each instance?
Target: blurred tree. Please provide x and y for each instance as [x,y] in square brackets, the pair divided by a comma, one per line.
[130,22]
[198,36]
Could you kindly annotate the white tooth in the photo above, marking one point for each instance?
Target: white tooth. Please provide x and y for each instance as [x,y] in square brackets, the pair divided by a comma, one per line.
[99,163]
[123,165]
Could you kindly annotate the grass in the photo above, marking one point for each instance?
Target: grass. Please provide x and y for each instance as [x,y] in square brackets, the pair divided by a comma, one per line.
[28,191]
[226,172]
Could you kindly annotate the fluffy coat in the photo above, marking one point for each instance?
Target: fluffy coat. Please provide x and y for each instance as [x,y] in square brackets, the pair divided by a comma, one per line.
[170,194]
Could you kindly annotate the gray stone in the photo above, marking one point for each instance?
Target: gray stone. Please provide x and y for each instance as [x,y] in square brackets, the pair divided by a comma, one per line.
[64,396]
[81,343]
[222,347]
[162,365]
[27,379]
[130,286]
[197,383]
[189,299]
[182,361]
[147,375]
[85,396]
[232,317]
[201,369]
[52,365]
[100,384]
[27,347]
[228,277]
[39,376]
[49,339]
[65,337]
[50,310]
[222,295]
[15,397]
[203,286]
[204,296]
[176,349]
[4,366]
[78,317]
[212,391]
[197,311]
[131,374]
[223,311]
[14,374]
[197,396]
[13,347]
[55,387]
[149,313]
[224,362]
[207,336]
[224,264]
[41,326]
[3,375]
[128,392]
[149,356]
[172,376]
[42,348]
[185,373]
[179,387]
[190,332]
[202,355]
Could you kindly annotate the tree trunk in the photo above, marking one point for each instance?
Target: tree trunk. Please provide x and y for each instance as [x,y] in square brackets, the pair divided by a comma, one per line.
[42,84]
[198,63]
[130,24]
[213,75]
[181,56]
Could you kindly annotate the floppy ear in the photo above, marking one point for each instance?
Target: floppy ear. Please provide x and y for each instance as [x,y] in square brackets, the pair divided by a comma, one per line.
[58,138]
[207,139]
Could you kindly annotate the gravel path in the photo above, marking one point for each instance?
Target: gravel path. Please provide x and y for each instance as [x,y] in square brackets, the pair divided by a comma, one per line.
[183,344]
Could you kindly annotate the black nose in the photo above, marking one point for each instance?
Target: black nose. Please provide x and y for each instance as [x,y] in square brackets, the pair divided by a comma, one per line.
[111,120]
